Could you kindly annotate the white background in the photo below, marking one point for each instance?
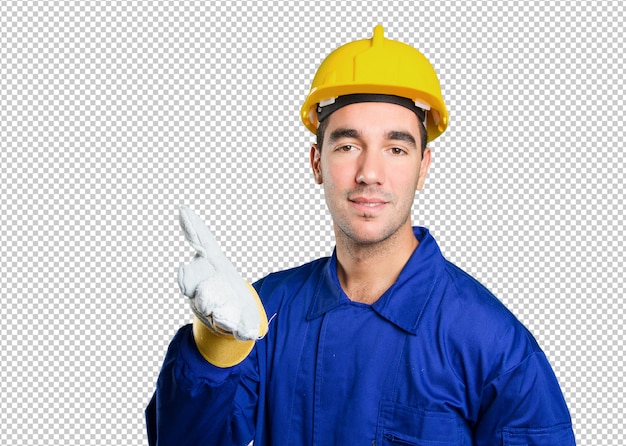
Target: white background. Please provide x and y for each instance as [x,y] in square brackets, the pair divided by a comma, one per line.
[114,113]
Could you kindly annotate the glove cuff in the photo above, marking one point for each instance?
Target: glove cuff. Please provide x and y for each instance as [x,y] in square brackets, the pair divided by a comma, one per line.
[223,350]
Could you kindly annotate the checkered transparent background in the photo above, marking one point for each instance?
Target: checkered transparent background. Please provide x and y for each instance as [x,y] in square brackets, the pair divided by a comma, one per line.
[114,113]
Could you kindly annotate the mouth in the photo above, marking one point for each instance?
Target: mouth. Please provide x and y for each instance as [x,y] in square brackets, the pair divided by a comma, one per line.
[368,205]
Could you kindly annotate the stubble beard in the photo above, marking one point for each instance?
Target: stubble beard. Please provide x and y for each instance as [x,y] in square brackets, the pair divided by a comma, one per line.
[348,234]
[350,230]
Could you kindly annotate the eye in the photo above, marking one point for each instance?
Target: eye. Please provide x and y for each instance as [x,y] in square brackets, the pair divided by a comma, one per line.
[345,148]
[398,151]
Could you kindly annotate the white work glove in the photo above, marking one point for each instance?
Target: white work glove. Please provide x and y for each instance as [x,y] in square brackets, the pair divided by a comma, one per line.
[222,300]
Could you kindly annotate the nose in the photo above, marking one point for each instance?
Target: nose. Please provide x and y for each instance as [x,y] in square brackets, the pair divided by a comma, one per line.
[370,168]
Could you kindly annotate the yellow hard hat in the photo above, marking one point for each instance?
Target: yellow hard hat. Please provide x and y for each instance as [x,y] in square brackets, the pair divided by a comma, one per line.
[382,67]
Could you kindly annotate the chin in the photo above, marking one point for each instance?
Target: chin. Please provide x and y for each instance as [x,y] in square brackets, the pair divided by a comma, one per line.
[367,233]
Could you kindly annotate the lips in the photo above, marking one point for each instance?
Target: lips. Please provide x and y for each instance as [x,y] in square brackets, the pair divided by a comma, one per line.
[366,200]
[367,203]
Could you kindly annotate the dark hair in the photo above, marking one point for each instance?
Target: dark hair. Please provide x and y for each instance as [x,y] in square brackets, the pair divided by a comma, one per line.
[321,129]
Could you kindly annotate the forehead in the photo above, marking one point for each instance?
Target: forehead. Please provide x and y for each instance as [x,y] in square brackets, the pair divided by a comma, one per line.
[372,118]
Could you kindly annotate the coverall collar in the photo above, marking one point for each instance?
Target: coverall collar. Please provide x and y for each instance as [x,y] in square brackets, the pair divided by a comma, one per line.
[402,304]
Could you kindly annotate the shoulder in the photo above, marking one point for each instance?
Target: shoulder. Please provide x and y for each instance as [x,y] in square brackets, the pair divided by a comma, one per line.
[479,326]
[290,282]
[468,299]
[291,275]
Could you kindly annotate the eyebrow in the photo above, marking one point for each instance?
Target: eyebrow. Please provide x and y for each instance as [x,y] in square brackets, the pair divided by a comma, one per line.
[395,135]
[342,133]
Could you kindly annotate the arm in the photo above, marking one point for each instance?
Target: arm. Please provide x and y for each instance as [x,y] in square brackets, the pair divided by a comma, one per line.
[197,403]
[525,406]
[207,390]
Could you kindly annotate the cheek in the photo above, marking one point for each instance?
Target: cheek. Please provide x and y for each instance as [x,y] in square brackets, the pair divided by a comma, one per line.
[335,189]
[404,176]
[407,192]
[331,187]
[337,174]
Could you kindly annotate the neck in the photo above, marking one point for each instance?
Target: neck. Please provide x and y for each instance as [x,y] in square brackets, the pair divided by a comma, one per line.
[366,271]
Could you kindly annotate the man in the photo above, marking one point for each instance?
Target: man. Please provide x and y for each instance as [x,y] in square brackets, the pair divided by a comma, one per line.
[383,343]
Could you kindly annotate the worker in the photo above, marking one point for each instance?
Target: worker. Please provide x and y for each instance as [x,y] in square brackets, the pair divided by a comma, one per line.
[384,342]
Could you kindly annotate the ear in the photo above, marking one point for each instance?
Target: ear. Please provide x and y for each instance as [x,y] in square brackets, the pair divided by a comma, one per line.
[316,163]
[424,165]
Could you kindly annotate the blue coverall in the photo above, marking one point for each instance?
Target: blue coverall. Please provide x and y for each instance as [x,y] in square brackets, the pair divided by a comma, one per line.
[437,360]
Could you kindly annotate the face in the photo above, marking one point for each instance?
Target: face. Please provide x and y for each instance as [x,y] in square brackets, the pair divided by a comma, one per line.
[371,165]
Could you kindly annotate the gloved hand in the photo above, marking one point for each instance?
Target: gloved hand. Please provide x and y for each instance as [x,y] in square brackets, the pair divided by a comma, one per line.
[222,301]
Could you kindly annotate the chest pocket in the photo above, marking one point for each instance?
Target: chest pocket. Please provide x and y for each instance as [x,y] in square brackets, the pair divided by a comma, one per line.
[400,425]
[561,435]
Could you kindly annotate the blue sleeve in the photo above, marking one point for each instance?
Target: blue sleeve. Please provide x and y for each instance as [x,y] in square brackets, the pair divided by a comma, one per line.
[196,403]
[525,406]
